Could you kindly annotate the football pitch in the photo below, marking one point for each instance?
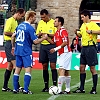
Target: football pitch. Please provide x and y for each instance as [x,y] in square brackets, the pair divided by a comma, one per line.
[37,85]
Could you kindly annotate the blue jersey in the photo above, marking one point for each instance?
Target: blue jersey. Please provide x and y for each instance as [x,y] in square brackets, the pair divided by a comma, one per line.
[25,35]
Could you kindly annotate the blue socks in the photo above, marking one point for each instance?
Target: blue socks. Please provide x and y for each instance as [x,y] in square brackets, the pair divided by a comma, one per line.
[15,81]
[27,79]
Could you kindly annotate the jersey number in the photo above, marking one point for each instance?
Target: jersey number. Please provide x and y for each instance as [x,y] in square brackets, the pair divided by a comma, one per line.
[20,36]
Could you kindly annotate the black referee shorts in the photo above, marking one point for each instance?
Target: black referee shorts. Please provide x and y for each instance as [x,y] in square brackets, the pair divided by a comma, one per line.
[89,56]
[8,48]
[45,56]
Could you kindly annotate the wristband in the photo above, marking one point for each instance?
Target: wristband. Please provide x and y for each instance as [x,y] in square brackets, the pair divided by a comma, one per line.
[57,48]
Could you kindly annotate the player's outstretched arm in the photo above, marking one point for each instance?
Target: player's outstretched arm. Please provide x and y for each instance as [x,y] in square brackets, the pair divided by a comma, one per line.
[37,41]
[50,41]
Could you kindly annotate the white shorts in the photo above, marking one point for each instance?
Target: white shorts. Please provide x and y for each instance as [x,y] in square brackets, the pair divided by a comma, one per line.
[65,60]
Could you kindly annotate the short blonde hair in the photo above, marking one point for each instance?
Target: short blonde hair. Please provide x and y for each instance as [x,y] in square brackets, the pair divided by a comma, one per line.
[29,14]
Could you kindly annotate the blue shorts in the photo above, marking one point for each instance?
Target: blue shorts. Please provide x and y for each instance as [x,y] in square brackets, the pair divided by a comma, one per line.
[24,61]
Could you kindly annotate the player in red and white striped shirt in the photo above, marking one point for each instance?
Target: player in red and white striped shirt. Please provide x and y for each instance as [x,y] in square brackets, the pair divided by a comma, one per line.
[62,46]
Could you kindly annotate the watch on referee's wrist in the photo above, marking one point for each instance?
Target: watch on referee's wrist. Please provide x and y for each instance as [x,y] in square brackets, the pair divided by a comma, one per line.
[90,31]
[48,35]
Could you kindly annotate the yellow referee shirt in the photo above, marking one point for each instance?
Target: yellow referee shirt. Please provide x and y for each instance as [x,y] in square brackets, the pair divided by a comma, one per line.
[10,26]
[48,28]
[87,39]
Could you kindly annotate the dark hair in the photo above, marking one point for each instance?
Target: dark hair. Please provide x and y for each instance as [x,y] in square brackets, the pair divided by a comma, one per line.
[60,19]
[20,10]
[85,12]
[44,11]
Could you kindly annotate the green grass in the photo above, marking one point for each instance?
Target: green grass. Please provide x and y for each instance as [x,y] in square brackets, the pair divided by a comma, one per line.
[37,85]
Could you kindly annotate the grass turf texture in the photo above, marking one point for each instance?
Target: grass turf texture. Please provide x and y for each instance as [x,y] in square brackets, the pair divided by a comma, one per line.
[37,85]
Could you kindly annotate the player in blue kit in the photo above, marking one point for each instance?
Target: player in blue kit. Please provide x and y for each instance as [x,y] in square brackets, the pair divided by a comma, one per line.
[25,37]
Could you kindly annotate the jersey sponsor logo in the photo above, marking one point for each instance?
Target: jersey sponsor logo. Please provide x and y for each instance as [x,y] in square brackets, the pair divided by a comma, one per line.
[19,44]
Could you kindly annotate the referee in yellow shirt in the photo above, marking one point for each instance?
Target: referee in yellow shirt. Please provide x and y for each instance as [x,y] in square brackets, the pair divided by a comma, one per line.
[9,29]
[88,32]
[46,26]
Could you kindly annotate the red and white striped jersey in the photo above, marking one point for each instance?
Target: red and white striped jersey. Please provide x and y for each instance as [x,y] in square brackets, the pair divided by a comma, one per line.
[59,37]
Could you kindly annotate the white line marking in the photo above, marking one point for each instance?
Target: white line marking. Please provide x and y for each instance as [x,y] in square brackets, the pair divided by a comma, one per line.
[53,97]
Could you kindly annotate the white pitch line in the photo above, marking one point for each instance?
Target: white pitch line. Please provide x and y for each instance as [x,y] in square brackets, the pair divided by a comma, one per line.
[53,97]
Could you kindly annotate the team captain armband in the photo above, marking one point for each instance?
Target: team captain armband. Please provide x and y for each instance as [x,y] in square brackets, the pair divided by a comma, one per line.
[57,48]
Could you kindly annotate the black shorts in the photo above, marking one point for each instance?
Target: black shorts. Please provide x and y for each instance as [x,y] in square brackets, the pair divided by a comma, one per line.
[45,56]
[89,56]
[8,48]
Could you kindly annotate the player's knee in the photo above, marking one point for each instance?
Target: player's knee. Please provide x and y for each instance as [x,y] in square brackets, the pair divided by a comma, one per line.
[82,69]
[10,68]
[92,69]
[45,66]
[53,66]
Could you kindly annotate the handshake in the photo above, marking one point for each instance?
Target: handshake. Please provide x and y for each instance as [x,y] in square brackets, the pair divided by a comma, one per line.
[44,36]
